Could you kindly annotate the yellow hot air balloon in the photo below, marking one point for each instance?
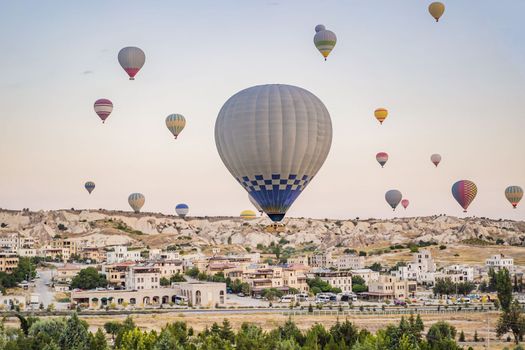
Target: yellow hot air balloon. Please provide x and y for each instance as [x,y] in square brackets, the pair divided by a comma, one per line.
[248,214]
[436,9]
[381,114]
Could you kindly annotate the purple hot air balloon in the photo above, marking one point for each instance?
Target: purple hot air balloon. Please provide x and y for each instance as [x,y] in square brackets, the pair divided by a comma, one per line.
[464,191]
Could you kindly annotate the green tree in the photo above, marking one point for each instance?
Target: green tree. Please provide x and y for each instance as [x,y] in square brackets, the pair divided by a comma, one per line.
[249,337]
[75,335]
[193,272]
[462,337]
[512,320]
[177,278]
[98,341]
[112,327]
[124,327]
[135,339]
[89,278]
[504,288]
[226,331]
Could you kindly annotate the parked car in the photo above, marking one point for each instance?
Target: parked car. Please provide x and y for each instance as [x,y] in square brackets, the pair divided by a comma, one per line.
[301,297]
[398,302]
[240,295]
[322,298]
[287,298]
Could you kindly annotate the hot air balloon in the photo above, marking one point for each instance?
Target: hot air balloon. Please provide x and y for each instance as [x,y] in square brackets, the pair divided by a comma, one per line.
[255,204]
[90,186]
[324,40]
[464,191]
[175,123]
[136,201]
[514,195]
[182,210]
[131,59]
[103,108]
[382,158]
[381,114]
[273,139]
[436,9]
[405,203]
[393,197]
[248,214]
[436,159]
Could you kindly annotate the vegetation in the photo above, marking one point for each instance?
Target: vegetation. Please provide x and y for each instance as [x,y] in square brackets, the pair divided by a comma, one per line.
[89,278]
[358,284]
[444,286]
[72,334]
[25,270]
[317,285]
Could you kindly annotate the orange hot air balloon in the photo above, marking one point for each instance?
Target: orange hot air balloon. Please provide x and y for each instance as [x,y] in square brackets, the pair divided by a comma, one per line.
[436,10]
[381,114]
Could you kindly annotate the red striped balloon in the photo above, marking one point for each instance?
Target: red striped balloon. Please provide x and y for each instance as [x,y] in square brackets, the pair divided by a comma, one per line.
[103,108]
[382,158]
[464,191]
[405,203]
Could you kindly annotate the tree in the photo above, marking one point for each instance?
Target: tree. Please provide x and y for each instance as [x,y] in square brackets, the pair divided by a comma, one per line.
[376,267]
[512,320]
[358,284]
[135,339]
[193,272]
[164,281]
[504,288]
[462,337]
[177,278]
[89,278]
[465,288]
[441,336]
[75,335]
[112,327]
[226,331]
[98,341]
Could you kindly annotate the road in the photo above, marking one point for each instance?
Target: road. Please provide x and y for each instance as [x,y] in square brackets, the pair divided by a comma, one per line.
[46,293]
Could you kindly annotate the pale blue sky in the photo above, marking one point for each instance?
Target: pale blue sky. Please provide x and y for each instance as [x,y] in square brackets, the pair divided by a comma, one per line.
[455,87]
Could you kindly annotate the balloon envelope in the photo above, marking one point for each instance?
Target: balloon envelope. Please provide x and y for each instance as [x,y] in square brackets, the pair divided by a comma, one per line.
[319,27]
[405,203]
[182,210]
[381,114]
[131,60]
[103,107]
[436,10]
[436,159]
[175,123]
[136,201]
[90,186]
[248,214]
[273,139]
[514,194]
[324,40]
[393,197]
[382,158]
[464,191]
[255,204]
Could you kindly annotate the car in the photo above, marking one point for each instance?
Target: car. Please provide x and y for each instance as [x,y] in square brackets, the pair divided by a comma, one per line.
[398,302]
[240,295]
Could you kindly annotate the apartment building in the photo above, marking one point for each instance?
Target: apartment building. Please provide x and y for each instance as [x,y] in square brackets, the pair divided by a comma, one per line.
[367,275]
[158,254]
[295,277]
[500,261]
[65,244]
[63,254]
[66,273]
[116,273]
[92,253]
[350,262]
[121,254]
[8,262]
[141,277]
[168,268]
[458,273]
[422,269]
[337,279]
[321,260]
[298,260]
[389,288]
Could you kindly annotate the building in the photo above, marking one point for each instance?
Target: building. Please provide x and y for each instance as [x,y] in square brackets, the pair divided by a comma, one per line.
[207,294]
[168,268]
[116,273]
[390,288]
[122,253]
[63,254]
[322,260]
[294,276]
[26,252]
[350,262]
[500,261]
[65,244]
[157,254]
[298,260]
[459,273]
[8,262]
[141,277]
[367,275]
[91,253]
[337,279]
[422,269]
[66,273]
[9,302]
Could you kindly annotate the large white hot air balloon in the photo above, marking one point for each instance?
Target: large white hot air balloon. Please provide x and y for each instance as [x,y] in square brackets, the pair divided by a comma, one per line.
[136,201]
[255,204]
[273,139]
[131,59]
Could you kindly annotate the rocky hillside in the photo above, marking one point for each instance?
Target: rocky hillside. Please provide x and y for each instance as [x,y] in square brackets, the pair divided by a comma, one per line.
[103,228]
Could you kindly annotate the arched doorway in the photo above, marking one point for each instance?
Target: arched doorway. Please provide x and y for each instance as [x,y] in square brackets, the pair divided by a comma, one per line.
[198,298]
[221,297]
[132,301]
[156,300]
[145,301]
[165,299]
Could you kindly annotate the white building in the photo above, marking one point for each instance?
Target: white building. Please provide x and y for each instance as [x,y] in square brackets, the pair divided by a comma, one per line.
[26,252]
[500,261]
[168,268]
[142,277]
[158,254]
[322,260]
[422,268]
[367,275]
[459,273]
[350,262]
[337,279]
[121,253]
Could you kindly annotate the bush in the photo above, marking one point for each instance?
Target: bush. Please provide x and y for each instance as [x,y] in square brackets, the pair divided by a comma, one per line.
[442,247]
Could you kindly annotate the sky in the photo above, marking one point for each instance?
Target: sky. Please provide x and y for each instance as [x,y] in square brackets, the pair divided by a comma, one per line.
[455,87]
